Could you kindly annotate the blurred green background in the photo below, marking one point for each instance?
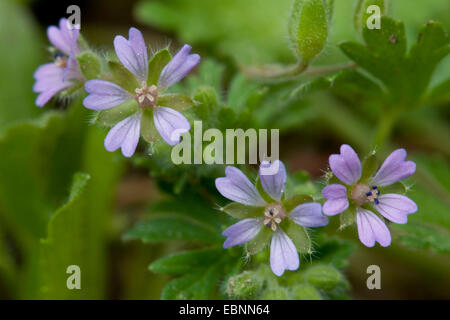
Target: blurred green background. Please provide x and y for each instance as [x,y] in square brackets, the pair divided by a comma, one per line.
[41,231]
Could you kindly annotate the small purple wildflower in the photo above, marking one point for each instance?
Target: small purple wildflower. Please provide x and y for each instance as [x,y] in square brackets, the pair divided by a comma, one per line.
[169,123]
[267,215]
[368,195]
[64,72]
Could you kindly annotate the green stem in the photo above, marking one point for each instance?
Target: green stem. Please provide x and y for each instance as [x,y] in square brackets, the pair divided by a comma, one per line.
[385,128]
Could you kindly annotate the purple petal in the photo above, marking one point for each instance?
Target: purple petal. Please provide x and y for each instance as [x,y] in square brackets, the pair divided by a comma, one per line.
[371,229]
[236,187]
[104,95]
[125,134]
[394,169]
[72,70]
[283,254]
[308,215]
[242,232]
[337,202]
[395,207]
[64,38]
[273,182]
[170,124]
[346,165]
[46,95]
[180,65]
[132,53]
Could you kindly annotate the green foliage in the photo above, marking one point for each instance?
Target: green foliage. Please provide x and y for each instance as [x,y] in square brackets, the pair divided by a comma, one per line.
[429,227]
[19,58]
[406,76]
[362,15]
[231,30]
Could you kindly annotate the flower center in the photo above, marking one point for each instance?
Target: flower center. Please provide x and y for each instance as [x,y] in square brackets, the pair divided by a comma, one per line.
[146,96]
[362,193]
[60,60]
[273,215]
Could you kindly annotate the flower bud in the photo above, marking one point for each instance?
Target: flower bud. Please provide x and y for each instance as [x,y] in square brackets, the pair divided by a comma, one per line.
[323,277]
[308,28]
[245,285]
[305,292]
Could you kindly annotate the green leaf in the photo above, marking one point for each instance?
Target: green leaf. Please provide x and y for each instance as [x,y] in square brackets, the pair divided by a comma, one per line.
[406,76]
[111,117]
[123,77]
[172,228]
[292,202]
[177,101]
[298,235]
[21,55]
[185,262]
[156,64]
[259,242]
[424,237]
[197,285]
[89,64]
[308,28]
[361,15]
[240,211]
[56,256]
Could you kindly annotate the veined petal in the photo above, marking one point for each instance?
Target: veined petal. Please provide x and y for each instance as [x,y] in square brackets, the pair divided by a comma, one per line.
[236,187]
[395,207]
[104,95]
[64,38]
[47,94]
[337,202]
[242,232]
[72,70]
[273,182]
[371,229]
[170,124]
[308,215]
[346,165]
[283,254]
[125,134]
[394,169]
[132,53]
[180,65]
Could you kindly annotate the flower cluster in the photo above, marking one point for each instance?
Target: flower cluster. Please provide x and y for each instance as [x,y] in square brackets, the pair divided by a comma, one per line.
[136,88]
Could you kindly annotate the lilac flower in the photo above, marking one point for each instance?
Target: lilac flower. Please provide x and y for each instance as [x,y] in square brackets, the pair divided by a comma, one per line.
[64,72]
[169,123]
[267,215]
[368,194]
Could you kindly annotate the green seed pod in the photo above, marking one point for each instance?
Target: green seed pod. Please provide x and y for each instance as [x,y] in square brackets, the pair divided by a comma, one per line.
[323,277]
[364,16]
[305,292]
[308,28]
[246,285]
